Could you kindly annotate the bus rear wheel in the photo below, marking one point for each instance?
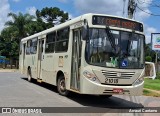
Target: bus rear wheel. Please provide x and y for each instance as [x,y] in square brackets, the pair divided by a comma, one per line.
[61,86]
[29,75]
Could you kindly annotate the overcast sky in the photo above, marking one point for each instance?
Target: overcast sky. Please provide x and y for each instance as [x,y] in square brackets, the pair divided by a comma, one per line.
[78,7]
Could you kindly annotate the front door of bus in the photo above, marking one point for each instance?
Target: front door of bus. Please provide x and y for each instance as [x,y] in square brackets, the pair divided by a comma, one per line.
[76,60]
[40,58]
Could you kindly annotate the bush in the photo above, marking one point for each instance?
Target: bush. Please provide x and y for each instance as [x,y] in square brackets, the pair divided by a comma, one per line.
[158,75]
[148,58]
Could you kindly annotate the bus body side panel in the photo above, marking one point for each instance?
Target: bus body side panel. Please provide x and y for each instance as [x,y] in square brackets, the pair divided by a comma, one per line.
[27,62]
[61,62]
[48,68]
[55,62]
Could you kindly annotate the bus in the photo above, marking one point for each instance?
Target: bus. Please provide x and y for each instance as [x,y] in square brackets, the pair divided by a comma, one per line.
[93,54]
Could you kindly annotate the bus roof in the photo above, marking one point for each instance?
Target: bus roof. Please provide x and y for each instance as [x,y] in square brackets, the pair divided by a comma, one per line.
[70,22]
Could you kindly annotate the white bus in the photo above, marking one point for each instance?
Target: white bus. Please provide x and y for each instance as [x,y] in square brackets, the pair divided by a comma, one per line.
[92,54]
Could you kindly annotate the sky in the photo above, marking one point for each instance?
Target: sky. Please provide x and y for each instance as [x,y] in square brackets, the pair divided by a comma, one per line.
[79,7]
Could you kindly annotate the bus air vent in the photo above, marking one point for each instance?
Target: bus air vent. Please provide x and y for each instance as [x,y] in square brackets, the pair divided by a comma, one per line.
[114,74]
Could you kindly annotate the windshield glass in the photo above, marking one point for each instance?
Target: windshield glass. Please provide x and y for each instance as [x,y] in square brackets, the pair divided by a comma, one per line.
[121,50]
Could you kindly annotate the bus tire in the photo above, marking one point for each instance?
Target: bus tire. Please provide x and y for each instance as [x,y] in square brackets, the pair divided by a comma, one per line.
[61,86]
[29,75]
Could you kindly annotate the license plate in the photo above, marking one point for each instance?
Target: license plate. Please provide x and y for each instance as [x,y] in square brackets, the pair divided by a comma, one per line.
[117,90]
[111,81]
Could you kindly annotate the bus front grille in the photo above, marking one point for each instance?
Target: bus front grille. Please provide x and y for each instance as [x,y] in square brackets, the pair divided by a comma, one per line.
[114,74]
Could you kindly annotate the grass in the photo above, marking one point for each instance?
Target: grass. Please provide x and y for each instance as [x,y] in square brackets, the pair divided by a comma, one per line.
[150,93]
[152,84]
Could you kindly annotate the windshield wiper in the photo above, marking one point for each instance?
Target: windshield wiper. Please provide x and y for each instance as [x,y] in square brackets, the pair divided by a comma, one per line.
[111,38]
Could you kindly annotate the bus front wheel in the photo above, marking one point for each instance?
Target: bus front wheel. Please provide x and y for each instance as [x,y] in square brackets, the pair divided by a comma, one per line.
[61,86]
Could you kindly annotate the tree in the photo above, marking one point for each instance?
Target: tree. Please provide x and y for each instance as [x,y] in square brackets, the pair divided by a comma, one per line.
[2,45]
[37,26]
[20,22]
[9,43]
[23,25]
[149,51]
[9,33]
[16,29]
[148,58]
[52,15]
[10,37]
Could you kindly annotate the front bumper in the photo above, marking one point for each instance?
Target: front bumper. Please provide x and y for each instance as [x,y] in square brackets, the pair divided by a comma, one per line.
[90,87]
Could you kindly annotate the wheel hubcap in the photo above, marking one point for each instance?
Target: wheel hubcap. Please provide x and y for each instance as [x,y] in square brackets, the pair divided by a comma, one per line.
[62,85]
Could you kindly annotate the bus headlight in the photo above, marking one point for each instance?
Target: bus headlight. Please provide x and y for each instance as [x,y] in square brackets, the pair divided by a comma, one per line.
[91,76]
[139,80]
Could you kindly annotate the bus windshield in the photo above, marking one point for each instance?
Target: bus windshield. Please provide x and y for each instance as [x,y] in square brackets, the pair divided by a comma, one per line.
[127,52]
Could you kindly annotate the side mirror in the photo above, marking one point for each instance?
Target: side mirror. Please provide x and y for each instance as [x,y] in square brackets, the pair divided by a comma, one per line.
[85,30]
[150,71]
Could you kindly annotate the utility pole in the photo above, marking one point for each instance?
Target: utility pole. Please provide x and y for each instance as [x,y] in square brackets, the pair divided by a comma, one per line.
[124,2]
[131,8]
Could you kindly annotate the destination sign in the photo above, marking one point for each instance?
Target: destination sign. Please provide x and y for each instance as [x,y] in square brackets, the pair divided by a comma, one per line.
[117,22]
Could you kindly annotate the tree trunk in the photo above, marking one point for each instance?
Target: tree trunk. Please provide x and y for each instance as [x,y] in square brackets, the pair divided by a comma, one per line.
[11,62]
[4,65]
[16,64]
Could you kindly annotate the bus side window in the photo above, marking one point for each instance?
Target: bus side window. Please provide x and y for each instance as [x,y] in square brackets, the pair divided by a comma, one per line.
[62,40]
[33,46]
[50,42]
[42,45]
[28,47]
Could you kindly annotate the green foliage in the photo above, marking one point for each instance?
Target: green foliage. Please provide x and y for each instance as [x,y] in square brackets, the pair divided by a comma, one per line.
[148,58]
[10,42]
[158,75]
[20,23]
[9,33]
[46,18]
[23,25]
[1,45]
[52,15]
[37,26]
[149,52]
[16,29]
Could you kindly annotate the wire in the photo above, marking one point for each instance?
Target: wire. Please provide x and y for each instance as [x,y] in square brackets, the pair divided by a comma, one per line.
[154,4]
[148,12]
[141,2]
[144,1]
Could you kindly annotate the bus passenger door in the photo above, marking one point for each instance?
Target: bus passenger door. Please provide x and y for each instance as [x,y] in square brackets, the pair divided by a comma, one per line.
[40,58]
[76,60]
